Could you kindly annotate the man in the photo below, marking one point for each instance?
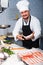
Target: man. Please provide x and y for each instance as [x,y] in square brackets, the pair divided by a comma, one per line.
[29,25]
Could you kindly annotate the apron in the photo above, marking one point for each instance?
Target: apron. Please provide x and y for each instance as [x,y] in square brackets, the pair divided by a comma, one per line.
[27,31]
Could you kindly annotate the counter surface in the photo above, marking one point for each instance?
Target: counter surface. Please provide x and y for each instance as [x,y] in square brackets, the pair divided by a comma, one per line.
[15,59]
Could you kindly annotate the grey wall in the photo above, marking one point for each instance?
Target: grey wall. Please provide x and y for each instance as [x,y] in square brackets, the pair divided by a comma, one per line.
[37,10]
[7,17]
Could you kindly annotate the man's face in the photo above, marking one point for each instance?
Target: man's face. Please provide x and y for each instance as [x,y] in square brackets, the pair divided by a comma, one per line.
[25,14]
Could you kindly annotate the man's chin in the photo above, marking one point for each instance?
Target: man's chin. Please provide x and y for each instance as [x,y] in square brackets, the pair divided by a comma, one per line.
[25,18]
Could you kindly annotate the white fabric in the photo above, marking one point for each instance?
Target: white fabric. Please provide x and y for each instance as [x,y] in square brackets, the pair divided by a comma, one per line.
[1,55]
[23,5]
[4,3]
[34,26]
[13,60]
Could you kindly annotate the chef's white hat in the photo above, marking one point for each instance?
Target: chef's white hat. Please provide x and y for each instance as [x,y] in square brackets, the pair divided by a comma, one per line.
[23,5]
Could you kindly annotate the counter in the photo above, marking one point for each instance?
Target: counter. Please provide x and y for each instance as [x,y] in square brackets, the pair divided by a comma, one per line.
[15,60]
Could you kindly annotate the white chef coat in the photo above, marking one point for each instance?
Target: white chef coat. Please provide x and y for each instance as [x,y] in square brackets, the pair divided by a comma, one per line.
[34,26]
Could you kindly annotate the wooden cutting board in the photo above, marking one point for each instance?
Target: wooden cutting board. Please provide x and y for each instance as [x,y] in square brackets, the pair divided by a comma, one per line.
[17,48]
[2,37]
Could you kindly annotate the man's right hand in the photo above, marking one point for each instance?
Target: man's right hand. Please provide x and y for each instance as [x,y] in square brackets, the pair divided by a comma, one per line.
[19,37]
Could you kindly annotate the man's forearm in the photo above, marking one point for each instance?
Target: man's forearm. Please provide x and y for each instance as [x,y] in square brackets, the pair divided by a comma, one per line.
[31,36]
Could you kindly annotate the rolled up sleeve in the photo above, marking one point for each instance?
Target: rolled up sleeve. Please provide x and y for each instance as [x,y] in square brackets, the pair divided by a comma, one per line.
[36,30]
[14,35]
[16,30]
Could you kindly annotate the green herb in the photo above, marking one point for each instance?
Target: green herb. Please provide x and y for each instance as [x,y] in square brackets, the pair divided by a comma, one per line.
[7,51]
[7,41]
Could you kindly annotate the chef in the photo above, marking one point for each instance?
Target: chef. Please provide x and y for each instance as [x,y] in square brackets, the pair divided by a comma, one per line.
[27,28]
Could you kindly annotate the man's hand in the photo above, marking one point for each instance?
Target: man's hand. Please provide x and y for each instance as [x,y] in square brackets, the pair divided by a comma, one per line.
[20,37]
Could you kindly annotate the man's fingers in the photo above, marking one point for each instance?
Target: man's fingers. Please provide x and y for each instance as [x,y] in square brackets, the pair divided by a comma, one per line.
[20,37]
